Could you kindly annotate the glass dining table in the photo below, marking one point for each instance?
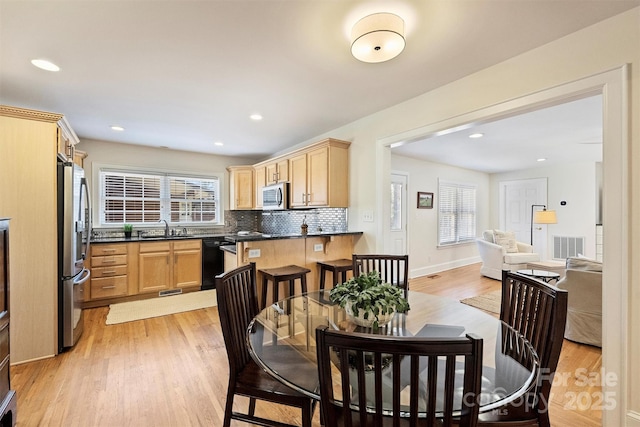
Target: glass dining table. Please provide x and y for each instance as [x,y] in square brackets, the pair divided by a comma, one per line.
[281,340]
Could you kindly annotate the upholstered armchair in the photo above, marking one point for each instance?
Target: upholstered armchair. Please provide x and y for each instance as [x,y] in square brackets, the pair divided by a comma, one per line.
[583,281]
[499,251]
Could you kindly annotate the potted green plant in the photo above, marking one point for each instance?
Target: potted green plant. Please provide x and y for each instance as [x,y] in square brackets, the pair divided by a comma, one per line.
[128,228]
[368,301]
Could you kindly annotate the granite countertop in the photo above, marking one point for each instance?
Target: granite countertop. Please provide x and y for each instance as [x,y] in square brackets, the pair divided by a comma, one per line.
[233,238]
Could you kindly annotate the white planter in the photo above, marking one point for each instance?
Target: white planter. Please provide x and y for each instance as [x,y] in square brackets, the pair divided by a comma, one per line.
[360,320]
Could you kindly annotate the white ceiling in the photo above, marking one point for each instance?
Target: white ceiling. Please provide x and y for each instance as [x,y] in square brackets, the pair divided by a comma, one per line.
[183,74]
[567,133]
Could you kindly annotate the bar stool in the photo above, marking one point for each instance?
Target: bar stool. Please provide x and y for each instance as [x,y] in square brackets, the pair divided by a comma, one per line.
[277,275]
[336,267]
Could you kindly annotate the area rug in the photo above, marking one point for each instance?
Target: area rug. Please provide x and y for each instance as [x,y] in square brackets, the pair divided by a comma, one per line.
[488,302]
[160,306]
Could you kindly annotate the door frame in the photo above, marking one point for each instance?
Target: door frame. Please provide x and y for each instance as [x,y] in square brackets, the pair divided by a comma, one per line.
[613,85]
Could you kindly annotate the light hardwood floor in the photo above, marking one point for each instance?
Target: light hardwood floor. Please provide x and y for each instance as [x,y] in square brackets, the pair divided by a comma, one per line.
[172,371]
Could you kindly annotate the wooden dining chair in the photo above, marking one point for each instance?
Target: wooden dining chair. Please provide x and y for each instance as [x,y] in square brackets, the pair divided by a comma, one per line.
[393,269]
[539,312]
[373,366]
[237,306]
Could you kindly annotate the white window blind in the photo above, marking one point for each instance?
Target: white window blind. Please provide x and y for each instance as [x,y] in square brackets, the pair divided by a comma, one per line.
[145,198]
[457,213]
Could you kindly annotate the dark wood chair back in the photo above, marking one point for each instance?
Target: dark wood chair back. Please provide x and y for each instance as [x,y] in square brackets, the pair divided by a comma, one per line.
[539,312]
[393,269]
[237,306]
[425,368]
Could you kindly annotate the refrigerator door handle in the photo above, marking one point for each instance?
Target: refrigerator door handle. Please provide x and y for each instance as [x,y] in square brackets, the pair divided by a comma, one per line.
[89,221]
[82,277]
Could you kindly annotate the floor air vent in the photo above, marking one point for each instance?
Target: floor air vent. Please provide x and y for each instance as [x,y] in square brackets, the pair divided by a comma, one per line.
[169,292]
[565,247]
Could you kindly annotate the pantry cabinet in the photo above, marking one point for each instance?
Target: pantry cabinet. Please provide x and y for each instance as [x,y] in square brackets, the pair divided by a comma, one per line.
[319,175]
[28,147]
[241,185]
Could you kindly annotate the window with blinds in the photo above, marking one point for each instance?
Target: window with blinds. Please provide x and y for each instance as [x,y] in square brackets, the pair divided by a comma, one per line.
[144,198]
[456,213]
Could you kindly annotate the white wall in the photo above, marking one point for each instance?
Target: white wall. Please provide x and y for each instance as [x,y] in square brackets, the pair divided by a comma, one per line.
[574,183]
[112,153]
[605,46]
[422,224]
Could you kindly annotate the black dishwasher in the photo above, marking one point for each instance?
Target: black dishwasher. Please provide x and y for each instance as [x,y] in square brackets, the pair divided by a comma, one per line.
[212,261]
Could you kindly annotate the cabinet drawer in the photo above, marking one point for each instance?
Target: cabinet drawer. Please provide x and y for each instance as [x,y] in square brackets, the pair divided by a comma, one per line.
[4,377]
[155,247]
[100,250]
[4,344]
[106,261]
[108,287]
[186,244]
[116,270]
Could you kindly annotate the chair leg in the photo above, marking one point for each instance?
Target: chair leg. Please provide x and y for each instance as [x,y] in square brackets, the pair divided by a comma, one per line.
[252,406]
[307,414]
[228,408]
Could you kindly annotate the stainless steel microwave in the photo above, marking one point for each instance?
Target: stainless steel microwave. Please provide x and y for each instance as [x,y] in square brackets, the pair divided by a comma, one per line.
[275,196]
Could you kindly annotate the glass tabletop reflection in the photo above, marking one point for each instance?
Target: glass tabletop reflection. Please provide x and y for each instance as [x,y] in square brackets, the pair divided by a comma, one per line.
[282,340]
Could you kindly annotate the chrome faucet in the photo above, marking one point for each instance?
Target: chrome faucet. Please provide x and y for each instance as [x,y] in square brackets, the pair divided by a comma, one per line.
[166,227]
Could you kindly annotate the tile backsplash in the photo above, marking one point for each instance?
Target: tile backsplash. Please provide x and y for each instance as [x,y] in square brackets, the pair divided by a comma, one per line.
[267,222]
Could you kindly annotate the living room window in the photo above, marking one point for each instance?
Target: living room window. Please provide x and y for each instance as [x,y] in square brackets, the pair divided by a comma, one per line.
[456,212]
[136,197]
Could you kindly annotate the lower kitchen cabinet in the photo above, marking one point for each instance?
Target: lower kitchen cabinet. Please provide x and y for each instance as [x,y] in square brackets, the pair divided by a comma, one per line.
[169,265]
[129,271]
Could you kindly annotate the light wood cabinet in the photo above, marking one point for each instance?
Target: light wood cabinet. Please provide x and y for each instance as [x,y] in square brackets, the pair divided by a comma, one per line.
[108,271]
[277,171]
[260,174]
[169,265]
[319,175]
[187,263]
[154,267]
[241,187]
[28,145]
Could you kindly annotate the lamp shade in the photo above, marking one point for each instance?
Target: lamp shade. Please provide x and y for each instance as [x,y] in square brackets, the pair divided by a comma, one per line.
[545,217]
[378,37]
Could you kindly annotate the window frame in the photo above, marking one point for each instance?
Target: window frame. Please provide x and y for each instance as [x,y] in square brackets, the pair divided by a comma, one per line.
[458,237]
[165,209]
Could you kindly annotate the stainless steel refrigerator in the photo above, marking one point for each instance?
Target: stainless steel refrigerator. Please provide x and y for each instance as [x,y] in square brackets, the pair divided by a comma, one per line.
[74,234]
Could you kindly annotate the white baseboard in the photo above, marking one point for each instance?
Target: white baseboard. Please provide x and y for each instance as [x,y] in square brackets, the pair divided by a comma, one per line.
[436,268]
[633,419]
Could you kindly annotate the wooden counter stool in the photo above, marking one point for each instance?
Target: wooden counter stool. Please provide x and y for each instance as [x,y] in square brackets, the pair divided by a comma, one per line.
[336,267]
[277,275]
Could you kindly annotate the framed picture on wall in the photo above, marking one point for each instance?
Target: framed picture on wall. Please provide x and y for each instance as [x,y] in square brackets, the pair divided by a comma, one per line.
[425,200]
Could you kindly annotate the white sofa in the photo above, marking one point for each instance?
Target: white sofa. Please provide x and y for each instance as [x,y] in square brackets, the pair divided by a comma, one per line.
[583,281]
[508,255]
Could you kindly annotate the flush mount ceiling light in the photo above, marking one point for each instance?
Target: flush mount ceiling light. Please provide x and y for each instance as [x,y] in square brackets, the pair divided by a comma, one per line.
[377,38]
[43,64]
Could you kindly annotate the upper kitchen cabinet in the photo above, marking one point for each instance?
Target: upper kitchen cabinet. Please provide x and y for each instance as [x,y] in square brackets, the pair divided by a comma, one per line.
[67,141]
[241,185]
[277,171]
[260,178]
[319,175]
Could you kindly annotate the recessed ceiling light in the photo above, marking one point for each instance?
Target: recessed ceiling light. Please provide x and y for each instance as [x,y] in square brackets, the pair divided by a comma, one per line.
[117,128]
[256,117]
[43,64]
[542,159]
[476,135]
[218,143]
